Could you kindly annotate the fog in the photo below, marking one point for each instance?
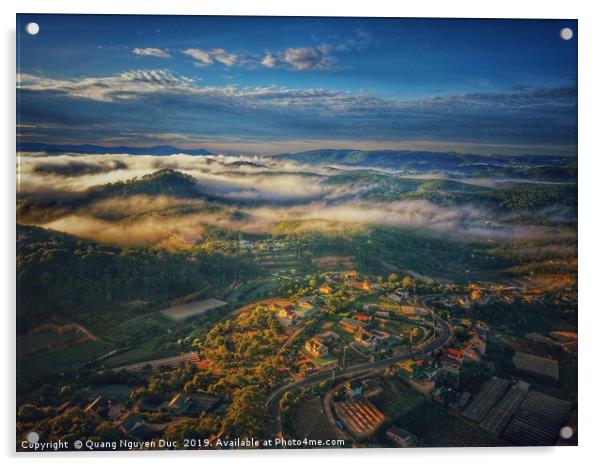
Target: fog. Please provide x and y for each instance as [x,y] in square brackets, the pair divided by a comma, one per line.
[248,194]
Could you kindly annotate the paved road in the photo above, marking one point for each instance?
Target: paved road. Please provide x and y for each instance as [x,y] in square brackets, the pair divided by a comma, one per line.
[442,337]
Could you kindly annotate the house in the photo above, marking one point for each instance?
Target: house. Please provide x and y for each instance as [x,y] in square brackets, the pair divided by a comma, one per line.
[477,342]
[451,364]
[382,337]
[244,244]
[568,341]
[366,338]
[304,307]
[202,402]
[407,365]
[472,354]
[400,437]
[288,316]
[362,317]
[305,302]
[98,407]
[413,311]
[348,276]
[191,404]
[362,285]
[178,405]
[353,389]
[399,295]
[327,337]
[131,423]
[316,348]
[382,314]
[351,325]
[455,354]
[325,289]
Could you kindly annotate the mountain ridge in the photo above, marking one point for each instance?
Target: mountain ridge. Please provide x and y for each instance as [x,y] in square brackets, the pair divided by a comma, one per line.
[97,149]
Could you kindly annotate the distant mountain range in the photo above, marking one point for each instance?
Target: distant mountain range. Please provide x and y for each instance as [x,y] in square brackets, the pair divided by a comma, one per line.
[397,157]
[534,167]
[94,149]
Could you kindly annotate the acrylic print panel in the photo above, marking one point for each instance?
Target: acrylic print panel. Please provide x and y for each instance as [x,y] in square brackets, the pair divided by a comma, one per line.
[247,232]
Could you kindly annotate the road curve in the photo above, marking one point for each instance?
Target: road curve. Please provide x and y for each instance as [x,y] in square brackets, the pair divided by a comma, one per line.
[273,402]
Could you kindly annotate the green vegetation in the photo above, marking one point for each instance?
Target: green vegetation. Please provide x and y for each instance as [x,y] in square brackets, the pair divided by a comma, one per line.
[435,427]
[81,276]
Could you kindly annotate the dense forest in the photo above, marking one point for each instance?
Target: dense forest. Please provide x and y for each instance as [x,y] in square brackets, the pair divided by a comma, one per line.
[59,273]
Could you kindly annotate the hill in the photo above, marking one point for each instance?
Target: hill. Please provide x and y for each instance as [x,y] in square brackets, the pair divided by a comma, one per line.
[168,182]
[536,167]
[60,275]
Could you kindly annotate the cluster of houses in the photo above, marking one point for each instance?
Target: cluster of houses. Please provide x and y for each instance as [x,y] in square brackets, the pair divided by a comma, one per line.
[293,314]
[113,403]
[422,372]
[365,336]
[351,278]
[399,295]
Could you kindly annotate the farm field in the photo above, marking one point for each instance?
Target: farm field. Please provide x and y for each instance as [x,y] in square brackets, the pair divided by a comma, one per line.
[397,399]
[196,308]
[310,422]
[35,342]
[136,355]
[436,427]
[71,358]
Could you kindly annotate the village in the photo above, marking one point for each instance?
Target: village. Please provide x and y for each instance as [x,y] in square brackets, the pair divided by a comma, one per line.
[352,344]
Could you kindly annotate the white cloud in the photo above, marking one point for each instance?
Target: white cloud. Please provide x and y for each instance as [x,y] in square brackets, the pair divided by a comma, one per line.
[151,52]
[301,58]
[124,86]
[209,57]
[269,61]
[305,58]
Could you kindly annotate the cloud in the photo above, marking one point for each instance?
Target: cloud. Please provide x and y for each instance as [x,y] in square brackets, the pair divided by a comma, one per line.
[305,58]
[316,58]
[270,60]
[301,58]
[209,57]
[163,102]
[124,86]
[151,52]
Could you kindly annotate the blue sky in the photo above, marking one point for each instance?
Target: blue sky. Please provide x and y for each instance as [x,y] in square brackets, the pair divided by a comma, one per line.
[240,84]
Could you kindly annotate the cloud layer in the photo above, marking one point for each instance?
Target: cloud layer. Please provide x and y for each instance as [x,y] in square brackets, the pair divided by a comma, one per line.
[257,196]
[162,102]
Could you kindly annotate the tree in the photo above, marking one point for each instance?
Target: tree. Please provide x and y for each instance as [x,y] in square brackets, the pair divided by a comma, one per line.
[199,428]
[267,373]
[393,277]
[107,432]
[474,374]
[247,415]
[408,282]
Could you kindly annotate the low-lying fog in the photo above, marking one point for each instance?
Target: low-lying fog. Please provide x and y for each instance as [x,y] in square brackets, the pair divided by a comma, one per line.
[279,191]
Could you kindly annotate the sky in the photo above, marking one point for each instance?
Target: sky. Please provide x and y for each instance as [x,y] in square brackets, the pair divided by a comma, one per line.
[271,85]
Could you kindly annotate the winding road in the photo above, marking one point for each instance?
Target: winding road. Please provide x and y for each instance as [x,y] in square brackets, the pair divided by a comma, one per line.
[443,334]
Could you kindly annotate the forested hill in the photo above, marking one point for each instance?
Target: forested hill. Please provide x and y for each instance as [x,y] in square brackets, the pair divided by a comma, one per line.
[536,167]
[60,275]
[167,182]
